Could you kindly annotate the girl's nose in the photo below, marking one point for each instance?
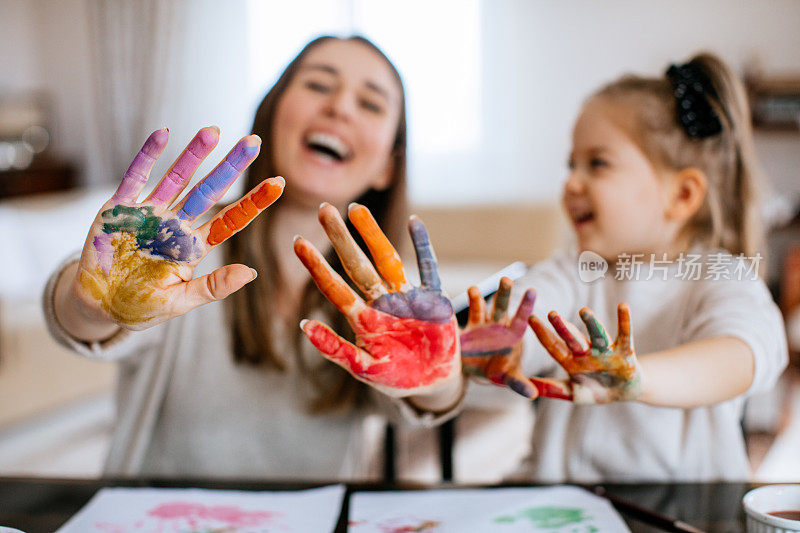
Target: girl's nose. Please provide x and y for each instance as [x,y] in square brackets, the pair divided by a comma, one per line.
[575,184]
[340,105]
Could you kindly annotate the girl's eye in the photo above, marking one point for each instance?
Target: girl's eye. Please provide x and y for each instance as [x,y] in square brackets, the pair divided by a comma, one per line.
[597,162]
[571,164]
[317,87]
[371,106]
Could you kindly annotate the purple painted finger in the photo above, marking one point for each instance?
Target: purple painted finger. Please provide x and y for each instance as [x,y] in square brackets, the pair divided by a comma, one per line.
[182,170]
[426,259]
[520,320]
[136,176]
[212,188]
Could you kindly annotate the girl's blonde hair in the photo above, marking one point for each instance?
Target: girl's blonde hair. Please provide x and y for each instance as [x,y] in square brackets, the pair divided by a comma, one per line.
[729,217]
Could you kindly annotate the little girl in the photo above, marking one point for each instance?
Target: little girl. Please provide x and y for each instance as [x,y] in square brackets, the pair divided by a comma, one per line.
[662,188]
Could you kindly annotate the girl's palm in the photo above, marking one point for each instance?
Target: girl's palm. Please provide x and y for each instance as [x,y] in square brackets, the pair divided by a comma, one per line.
[599,371]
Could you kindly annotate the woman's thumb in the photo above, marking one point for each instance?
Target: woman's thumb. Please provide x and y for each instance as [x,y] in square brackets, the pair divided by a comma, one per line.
[219,284]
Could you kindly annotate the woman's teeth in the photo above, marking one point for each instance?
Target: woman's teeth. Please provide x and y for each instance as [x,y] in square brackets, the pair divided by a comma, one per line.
[328,145]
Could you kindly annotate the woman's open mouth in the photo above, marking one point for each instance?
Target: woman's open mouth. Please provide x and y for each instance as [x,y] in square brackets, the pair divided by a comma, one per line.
[327,147]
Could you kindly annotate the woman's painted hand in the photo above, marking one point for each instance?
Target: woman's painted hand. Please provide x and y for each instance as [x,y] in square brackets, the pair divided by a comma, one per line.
[491,344]
[137,264]
[599,371]
[406,337]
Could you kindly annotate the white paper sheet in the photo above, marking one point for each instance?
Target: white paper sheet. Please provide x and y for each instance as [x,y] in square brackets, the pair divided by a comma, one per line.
[561,509]
[145,510]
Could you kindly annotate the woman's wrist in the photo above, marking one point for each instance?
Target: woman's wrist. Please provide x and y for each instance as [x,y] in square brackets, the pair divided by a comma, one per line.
[72,314]
[443,399]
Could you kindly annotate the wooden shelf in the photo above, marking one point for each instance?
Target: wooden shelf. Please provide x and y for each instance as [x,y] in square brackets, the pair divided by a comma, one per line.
[43,176]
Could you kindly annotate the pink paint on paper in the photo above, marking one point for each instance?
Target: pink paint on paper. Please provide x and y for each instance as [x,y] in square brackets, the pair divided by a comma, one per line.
[229,515]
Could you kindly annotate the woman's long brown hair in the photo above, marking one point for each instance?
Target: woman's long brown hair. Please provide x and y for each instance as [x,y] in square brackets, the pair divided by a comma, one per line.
[251,310]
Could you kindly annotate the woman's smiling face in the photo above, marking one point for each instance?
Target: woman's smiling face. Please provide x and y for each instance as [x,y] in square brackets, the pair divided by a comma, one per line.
[335,126]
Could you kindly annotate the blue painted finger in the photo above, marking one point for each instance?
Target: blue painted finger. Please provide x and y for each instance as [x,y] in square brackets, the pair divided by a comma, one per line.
[426,259]
[212,188]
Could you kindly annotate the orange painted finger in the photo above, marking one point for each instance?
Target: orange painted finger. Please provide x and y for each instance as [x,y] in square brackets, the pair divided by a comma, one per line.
[355,262]
[624,338]
[329,282]
[477,307]
[235,217]
[386,257]
[555,346]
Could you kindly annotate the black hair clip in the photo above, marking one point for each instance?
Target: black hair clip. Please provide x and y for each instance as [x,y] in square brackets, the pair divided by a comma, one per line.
[691,87]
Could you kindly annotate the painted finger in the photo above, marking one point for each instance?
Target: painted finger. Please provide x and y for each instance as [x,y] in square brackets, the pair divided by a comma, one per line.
[477,307]
[624,340]
[501,297]
[516,381]
[335,348]
[220,284]
[182,170]
[235,217]
[570,335]
[137,174]
[524,310]
[355,261]
[213,187]
[426,258]
[383,253]
[597,333]
[329,282]
[553,388]
[554,345]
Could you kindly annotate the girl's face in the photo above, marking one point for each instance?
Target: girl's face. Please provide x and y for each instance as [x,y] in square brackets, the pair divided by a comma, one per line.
[614,196]
[335,125]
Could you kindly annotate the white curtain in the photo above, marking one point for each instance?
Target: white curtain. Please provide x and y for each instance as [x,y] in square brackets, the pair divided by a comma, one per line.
[132,44]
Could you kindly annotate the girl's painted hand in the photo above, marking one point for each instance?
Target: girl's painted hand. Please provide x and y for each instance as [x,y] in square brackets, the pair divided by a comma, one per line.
[406,337]
[491,344]
[600,371]
[137,263]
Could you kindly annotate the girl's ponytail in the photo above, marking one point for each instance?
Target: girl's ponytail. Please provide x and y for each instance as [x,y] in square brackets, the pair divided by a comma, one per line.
[735,195]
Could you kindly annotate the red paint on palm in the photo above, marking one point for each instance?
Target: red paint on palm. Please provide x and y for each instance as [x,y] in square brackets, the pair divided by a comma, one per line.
[408,352]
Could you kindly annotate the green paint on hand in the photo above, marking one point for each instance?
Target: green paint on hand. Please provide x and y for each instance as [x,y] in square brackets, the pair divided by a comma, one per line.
[548,516]
[138,221]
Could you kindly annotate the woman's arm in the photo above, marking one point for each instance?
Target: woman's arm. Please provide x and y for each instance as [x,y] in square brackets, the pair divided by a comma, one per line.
[698,373]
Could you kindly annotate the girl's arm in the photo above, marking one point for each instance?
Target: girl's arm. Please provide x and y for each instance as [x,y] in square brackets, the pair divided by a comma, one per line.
[694,374]
[698,373]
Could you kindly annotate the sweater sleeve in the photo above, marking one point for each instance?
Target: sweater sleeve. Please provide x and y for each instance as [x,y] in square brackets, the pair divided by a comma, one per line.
[743,309]
[123,345]
[402,411]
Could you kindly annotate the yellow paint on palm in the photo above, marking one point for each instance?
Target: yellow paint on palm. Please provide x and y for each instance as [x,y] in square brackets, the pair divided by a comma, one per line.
[127,292]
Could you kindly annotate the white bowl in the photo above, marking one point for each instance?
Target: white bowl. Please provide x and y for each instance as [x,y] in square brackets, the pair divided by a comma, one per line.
[770,498]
